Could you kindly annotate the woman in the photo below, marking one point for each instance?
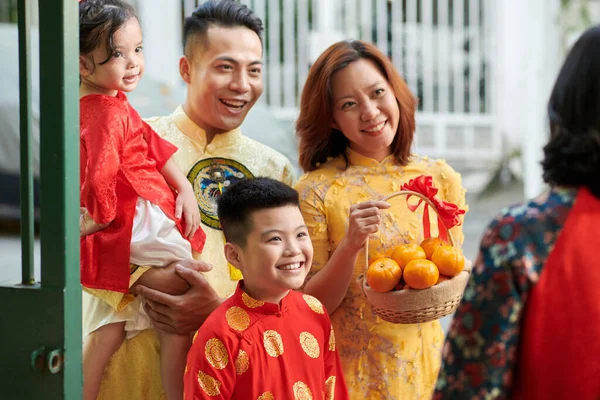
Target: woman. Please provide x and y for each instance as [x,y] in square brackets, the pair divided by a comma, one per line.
[529,323]
[356,129]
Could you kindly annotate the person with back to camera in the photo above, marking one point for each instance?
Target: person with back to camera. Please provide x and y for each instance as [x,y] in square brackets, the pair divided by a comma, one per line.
[528,326]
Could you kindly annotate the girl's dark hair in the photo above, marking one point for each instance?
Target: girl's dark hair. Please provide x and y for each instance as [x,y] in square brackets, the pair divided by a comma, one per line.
[572,156]
[98,21]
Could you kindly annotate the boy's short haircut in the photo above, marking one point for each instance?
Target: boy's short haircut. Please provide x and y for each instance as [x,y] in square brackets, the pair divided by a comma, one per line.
[225,13]
[240,200]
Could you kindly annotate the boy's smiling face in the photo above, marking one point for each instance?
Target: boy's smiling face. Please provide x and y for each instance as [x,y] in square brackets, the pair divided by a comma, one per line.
[277,255]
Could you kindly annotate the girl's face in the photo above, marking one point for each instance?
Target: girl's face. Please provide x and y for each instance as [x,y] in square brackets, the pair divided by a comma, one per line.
[365,109]
[125,66]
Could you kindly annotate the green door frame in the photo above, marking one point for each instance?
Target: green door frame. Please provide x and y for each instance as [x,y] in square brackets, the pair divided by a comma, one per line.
[41,322]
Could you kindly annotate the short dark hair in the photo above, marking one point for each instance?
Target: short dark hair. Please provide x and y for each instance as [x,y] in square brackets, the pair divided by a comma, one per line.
[100,19]
[572,155]
[237,204]
[225,13]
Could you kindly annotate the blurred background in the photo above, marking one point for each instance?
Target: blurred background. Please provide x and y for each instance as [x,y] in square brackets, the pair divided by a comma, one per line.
[482,70]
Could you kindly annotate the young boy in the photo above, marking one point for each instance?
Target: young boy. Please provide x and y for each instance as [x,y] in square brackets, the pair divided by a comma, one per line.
[266,341]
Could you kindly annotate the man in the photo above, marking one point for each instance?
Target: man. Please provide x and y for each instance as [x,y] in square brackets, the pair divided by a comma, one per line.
[222,68]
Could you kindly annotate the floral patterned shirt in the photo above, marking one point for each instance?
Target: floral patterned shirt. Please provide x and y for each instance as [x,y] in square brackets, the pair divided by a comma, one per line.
[480,351]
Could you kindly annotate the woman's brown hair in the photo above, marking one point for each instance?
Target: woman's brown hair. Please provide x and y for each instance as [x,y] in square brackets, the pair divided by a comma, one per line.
[318,140]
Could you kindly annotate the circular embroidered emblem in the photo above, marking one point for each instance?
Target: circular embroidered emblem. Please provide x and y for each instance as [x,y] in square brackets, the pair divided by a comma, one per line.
[273,343]
[250,302]
[314,304]
[216,353]
[242,362]
[310,345]
[266,396]
[237,318]
[330,388]
[209,384]
[209,178]
[301,391]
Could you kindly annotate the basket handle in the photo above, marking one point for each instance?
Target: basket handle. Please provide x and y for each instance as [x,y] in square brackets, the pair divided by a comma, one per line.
[426,200]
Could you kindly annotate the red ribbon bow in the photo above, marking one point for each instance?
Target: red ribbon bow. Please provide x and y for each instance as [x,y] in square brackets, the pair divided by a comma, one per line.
[448,214]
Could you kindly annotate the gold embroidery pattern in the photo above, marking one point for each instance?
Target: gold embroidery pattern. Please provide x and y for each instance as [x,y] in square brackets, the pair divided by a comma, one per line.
[330,388]
[332,340]
[314,304]
[216,353]
[237,318]
[242,362]
[309,344]
[209,384]
[250,302]
[195,336]
[266,396]
[301,391]
[273,343]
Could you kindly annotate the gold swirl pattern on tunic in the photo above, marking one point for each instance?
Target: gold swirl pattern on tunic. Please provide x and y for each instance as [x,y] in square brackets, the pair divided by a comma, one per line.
[310,345]
[301,391]
[314,304]
[332,340]
[216,353]
[242,362]
[266,396]
[195,336]
[237,318]
[330,388]
[273,343]
[209,384]
[250,302]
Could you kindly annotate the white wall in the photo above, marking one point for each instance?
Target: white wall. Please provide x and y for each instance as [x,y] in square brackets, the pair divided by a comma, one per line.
[528,61]
[161,24]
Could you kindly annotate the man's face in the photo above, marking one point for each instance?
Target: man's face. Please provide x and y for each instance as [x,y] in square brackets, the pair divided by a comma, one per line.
[224,76]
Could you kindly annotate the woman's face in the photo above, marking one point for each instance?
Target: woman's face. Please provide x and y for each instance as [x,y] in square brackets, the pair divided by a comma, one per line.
[365,109]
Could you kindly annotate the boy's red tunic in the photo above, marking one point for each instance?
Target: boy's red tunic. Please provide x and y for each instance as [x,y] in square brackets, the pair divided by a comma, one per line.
[120,160]
[249,349]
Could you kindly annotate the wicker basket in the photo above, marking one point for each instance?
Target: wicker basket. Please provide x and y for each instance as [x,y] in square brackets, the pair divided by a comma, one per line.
[413,305]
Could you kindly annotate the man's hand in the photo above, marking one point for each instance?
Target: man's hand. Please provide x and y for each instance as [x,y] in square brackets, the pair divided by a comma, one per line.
[184,313]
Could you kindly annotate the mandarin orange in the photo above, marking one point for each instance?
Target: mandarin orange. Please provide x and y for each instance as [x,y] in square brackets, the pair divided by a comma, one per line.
[421,274]
[383,275]
[405,253]
[430,244]
[375,257]
[449,260]
[442,278]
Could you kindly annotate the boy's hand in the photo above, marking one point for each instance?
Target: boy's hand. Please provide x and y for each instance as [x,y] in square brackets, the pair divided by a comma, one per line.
[187,205]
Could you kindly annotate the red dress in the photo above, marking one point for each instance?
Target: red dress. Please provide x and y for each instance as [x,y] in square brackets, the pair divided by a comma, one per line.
[249,349]
[120,160]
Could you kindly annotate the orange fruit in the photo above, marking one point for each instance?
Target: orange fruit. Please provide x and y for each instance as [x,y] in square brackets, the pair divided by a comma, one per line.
[383,275]
[442,278]
[375,257]
[430,244]
[405,253]
[421,274]
[449,260]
